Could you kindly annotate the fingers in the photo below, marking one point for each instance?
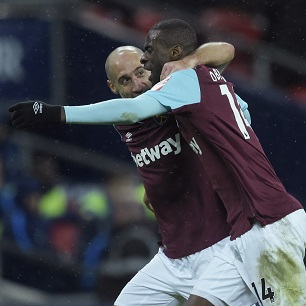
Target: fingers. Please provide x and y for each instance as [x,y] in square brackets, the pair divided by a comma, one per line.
[20,124]
[147,202]
[15,107]
[150,207]
[18,118]
[172,67]
[17,123]
[145,199]
[165,72]
[168,69]
[16,115]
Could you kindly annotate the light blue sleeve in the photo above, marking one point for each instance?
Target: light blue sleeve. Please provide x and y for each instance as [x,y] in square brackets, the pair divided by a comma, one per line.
[182,88]
[116,111]
[244,107]
[177,90]
[165,95]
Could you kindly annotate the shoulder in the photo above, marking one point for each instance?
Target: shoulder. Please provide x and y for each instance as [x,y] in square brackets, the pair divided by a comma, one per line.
[177,78]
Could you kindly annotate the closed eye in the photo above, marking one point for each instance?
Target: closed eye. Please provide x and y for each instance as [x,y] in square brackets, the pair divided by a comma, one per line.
[148,49]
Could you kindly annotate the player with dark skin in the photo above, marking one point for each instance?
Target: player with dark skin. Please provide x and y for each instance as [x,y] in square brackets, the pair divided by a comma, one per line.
[264,200]
[157,53]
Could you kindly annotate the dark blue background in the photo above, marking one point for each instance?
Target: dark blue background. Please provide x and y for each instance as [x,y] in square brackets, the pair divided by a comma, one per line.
[279,123]
[34,37]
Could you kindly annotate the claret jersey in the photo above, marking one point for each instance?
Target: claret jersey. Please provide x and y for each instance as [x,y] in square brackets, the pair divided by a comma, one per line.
[210,119]
[189,213]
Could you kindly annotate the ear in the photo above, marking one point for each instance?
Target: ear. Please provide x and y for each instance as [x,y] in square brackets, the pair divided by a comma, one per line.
[176,52]
[112,87]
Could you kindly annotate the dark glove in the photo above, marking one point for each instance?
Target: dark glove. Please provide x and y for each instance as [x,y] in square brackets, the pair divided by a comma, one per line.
[34,113]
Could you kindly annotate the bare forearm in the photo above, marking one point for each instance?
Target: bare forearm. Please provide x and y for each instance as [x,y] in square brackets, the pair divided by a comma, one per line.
[215,54]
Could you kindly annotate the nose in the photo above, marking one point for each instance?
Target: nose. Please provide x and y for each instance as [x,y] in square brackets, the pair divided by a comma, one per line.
[143,59]
[138,85]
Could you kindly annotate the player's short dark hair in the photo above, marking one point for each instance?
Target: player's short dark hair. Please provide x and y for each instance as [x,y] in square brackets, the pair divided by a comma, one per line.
[177,31]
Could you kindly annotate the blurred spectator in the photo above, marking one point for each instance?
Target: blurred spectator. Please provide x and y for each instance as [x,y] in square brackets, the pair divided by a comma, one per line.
[12,178]
[69,224]
[126,194]
[7,199]
[134,235]
[92,209]
[24,226]
[127,202]
[63,232]
[12,160]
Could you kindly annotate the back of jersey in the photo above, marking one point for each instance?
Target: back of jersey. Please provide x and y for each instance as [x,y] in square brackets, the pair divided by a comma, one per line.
[232,155]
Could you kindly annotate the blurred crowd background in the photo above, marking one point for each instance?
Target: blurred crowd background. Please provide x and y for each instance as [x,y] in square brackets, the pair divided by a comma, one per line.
[73,225]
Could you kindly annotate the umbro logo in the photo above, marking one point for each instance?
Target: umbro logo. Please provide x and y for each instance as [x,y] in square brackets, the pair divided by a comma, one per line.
[37,107]
[128,136]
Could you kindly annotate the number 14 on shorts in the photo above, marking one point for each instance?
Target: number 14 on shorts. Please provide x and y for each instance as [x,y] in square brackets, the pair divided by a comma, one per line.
[266,293]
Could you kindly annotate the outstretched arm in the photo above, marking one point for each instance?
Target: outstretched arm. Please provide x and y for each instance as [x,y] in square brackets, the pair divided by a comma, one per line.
[214,54]
[117,111]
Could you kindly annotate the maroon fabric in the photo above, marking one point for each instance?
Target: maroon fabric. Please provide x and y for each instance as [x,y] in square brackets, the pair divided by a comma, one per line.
[189,213]
[237,166]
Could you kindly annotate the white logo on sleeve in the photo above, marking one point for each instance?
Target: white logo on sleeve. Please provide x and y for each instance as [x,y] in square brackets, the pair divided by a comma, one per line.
[195,147]
[148,155]
[128,136]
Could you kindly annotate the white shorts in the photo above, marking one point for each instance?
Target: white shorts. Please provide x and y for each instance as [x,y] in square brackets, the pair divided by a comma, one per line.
[164,281]
[270,261]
